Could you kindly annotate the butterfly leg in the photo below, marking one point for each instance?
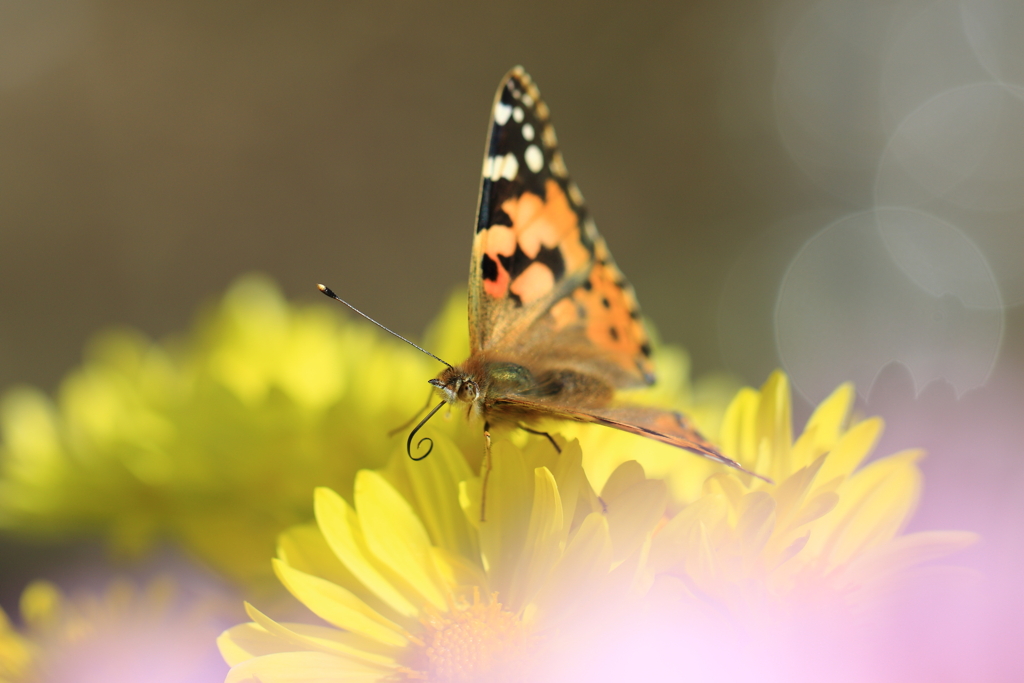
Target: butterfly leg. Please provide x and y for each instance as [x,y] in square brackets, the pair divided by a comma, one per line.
[486,467]
[544,434]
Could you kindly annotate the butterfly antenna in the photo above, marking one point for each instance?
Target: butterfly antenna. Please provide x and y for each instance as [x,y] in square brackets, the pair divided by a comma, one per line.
[427,439]
[328,292]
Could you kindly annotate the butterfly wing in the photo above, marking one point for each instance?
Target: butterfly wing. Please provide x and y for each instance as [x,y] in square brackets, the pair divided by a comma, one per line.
[542,281]
[654,423]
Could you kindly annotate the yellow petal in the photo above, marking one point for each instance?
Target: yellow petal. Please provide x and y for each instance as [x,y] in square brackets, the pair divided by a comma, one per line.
[625,475]
[338,606]
[829,418]
[825,427]
[874,504]
[805,449]
[633,514]
[435,484]
[632,576]
[756,522]
[342,531]
[775,422]
[579,575]
[319,639]
[541,548]
[470,497]
[818,506]
[573,488]
[791,550]
[509,498]
[395,535]
[303,547]
[681,537]
[702,565]
[851,449]
[246,641]
[304,667]
[726,485]
[457,570]
[739,427]
[791,493]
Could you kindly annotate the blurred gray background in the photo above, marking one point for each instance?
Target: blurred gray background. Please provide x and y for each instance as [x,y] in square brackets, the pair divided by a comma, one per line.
[152,152]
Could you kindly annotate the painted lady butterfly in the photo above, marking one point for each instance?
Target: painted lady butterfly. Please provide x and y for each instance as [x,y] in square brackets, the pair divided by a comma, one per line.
[555,328]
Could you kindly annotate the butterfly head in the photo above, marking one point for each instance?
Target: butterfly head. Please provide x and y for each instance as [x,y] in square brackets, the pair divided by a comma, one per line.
[456,386]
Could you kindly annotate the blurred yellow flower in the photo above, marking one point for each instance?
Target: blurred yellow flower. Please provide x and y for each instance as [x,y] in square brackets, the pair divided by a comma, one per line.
[124,634]
[829,529]
[215,440]
[415,587]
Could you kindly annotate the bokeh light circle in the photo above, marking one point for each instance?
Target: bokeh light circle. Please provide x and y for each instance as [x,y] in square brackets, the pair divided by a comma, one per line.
[826,94]
[845,308]
[960,156]
[995,29]
[928,53]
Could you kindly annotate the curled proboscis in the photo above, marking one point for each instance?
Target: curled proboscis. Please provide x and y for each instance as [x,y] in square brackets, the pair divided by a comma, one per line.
[426,439]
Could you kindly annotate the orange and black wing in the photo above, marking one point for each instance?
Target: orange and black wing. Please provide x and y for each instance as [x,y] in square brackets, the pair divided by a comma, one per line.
[542,281]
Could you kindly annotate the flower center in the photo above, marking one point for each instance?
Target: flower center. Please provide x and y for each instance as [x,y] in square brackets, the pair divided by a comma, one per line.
[475,642]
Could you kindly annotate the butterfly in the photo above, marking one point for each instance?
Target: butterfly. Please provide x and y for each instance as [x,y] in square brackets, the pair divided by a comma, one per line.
[555,328]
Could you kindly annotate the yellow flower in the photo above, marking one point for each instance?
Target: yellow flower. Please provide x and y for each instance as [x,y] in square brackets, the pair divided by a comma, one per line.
[828,529]
[122,635]
[415,587]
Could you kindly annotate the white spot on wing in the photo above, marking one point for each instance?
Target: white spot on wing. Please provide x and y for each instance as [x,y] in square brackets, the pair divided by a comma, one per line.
[488,166]
[501,113]
[501,167]
[510,167]
[527,100]
[517,114]
[534,158]
[527,132]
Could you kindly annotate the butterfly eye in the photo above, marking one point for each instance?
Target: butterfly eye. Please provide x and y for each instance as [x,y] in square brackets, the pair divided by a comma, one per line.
[468,391]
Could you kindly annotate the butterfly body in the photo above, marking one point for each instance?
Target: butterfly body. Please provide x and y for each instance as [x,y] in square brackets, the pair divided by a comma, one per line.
[500,390]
